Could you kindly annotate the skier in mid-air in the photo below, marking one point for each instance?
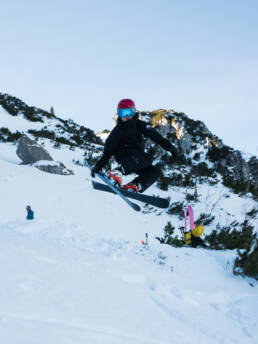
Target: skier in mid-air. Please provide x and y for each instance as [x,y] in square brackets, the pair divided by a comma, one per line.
[125,143]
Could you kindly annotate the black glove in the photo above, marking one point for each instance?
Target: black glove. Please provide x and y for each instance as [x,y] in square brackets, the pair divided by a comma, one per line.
[94,170]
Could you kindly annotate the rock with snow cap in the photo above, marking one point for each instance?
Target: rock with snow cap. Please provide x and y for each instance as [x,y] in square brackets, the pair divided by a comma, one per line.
[29,151]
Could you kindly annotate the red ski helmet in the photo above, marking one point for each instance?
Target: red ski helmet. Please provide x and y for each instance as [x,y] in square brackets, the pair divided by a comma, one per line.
[126,104]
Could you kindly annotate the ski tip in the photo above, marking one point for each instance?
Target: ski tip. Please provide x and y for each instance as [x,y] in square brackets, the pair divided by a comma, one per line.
[162,203]
[136,206]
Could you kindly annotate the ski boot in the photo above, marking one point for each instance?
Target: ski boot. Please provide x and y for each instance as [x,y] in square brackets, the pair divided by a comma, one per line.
[116,177]
[134,187]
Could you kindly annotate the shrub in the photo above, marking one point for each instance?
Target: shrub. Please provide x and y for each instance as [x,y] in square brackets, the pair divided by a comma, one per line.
[78,140]
[228,238]
[247,260]
[7,136]
[163,183]
[252,213]
[31,114]
[64,141]
[189,179]
[205,220]
[176,179]
[235,185]
[176,208]
[191,197]
[43,133]
[168,238]
[215,154]
[203,170]
[196,156]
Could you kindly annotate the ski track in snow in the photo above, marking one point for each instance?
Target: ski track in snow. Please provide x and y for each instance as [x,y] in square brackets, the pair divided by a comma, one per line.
[78,273]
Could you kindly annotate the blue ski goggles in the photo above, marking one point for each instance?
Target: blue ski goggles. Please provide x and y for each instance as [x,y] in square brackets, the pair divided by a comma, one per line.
[130,112]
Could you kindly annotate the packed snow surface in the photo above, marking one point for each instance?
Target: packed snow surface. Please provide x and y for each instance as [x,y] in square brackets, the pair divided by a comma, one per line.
[78,273]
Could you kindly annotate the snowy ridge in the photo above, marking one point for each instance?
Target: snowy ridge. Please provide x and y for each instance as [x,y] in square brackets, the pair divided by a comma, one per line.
[79,273]
[17,122]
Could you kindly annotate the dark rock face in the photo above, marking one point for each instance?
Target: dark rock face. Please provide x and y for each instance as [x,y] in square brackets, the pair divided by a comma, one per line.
[236,170]
[241,169]
[29,151]
[253,168]
[55,168]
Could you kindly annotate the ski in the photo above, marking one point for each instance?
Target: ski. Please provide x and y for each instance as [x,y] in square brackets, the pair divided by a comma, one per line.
[189,212]
[187,237]
[191,217]
[152,200]
[113,189]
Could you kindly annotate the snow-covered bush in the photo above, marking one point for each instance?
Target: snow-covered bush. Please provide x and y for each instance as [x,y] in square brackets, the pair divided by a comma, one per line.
[7,136]
[247,260]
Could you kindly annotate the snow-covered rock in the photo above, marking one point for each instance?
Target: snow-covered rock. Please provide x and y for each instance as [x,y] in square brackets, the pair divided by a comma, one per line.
[29,151]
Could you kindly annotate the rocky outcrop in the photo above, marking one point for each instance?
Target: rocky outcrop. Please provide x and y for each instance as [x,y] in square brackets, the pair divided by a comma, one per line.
[241,169]
[54,167]
[29,151]
[103,134]
[190,136]
[237,173]
[253,170]
[32,153]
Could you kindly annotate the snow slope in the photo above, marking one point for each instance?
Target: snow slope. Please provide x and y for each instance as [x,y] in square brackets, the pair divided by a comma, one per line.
[79,274]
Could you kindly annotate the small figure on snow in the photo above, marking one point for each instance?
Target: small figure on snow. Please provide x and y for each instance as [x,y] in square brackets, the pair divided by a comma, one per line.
[125,143]
[30,213]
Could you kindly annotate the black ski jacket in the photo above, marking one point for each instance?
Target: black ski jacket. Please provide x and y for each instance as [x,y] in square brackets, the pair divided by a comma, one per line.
[127,138]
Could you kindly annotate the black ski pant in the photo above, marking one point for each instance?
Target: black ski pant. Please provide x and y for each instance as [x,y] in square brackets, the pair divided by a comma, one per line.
[141,164]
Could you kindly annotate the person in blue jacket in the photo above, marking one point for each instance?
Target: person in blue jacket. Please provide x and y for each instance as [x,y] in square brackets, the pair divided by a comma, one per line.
[30,213]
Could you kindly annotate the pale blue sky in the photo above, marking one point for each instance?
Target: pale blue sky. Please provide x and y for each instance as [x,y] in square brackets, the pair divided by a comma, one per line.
[82,57]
